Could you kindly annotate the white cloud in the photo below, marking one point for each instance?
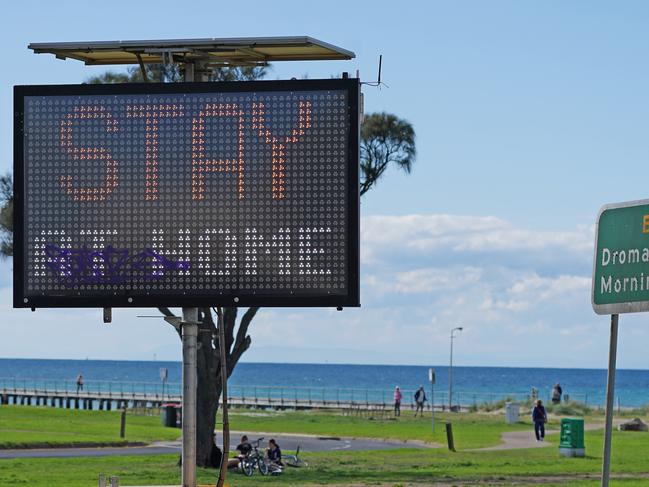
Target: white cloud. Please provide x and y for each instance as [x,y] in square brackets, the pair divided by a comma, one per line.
[458,233]
[522,297]
[544,288]
[426,280]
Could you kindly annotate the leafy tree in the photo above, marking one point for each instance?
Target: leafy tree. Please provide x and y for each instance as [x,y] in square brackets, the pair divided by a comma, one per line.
[160,73]
[385,140]
[6,215]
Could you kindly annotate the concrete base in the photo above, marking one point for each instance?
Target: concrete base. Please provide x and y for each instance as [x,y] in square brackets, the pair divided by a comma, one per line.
[572,452]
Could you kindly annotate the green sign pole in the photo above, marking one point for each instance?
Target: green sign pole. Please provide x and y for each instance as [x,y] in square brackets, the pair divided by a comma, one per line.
[610,392]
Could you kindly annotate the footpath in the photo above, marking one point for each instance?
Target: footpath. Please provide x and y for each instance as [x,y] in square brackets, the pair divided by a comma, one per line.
[514,440]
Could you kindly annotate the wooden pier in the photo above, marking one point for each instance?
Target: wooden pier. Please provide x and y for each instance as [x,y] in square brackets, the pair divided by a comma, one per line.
[102,400]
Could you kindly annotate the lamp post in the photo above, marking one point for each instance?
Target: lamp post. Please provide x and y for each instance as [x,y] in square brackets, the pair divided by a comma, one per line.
[450,370]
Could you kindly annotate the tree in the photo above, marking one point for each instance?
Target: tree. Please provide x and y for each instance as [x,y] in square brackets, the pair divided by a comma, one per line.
[161,73]
[6,215]
[237,341]
[385,139]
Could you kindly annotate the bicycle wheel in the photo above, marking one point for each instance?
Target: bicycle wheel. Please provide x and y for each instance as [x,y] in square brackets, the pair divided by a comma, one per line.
[248,468]
[293,461]
[262,466]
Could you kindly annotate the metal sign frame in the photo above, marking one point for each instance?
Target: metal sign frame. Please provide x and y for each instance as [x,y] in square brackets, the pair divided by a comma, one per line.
[621,307]
[288,299]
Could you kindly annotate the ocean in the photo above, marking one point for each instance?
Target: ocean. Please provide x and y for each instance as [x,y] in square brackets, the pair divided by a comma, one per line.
[359,382]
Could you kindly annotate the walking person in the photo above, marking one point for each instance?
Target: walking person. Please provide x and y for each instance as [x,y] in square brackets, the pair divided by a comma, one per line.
[79,383]
[397,401]
[556,393]
[540,417]
[420,399]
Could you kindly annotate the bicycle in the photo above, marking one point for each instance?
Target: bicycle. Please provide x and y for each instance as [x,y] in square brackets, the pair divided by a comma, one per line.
[254,459]
[294,460]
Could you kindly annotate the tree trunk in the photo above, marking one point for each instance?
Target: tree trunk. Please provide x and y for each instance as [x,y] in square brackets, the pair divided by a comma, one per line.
[209,371]
[209,391]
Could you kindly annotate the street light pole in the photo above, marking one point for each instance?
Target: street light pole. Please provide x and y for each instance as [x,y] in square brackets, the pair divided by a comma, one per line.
[450,370]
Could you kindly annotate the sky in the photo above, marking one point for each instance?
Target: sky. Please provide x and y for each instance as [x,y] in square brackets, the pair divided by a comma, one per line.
[529,117]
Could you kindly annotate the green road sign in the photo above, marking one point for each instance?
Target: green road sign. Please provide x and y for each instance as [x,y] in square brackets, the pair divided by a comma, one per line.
[621,263]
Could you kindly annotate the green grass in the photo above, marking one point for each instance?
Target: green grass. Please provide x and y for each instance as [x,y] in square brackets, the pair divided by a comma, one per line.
[469,430]
[385,468]
[405,467]
[22,426]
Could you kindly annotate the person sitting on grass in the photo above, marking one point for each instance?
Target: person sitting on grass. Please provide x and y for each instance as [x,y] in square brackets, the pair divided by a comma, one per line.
[274,453]
[244,448]
[540,417]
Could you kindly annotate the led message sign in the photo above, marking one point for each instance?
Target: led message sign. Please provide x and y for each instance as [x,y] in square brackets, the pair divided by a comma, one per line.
[190,194]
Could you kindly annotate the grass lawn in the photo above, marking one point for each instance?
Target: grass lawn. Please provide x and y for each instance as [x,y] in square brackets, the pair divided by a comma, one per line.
[384,468]
[22,426]
[470,430]
[396,468]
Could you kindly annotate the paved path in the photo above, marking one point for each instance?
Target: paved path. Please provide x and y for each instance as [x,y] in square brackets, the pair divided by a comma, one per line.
[307,443]
[513,440]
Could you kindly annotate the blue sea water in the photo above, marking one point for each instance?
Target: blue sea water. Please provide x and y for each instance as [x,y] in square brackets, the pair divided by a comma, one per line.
[372,382]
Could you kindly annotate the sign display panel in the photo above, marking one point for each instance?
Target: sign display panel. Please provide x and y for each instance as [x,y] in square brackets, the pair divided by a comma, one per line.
[194,194]
[621,262]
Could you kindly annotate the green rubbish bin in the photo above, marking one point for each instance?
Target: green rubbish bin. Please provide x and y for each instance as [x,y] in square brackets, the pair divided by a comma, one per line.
[572,437]
[169,415]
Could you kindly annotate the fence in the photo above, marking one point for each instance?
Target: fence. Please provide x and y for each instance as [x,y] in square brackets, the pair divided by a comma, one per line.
[252,394]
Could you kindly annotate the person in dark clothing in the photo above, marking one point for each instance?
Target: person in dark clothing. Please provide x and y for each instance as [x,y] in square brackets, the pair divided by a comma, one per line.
[556,393]
[540,417]
[243,449]
[215,454]
[274,453]
[420,399]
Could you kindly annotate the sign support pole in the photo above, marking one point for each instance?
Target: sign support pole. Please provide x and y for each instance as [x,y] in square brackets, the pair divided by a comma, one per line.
[189,336]
[610,393]
[190,374]
[224,404]
[431,378]
[432,404]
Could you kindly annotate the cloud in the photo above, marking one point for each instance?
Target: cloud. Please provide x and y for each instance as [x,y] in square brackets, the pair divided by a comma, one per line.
[427,280]
[548,287]
[522,297]
[458,233]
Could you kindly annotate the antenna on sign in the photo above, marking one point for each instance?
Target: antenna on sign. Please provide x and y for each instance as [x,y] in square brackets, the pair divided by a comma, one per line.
[378,81]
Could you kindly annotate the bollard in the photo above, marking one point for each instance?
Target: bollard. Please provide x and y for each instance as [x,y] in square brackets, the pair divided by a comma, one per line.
[122,426]
[102,480]
[449,437]
[114,481]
